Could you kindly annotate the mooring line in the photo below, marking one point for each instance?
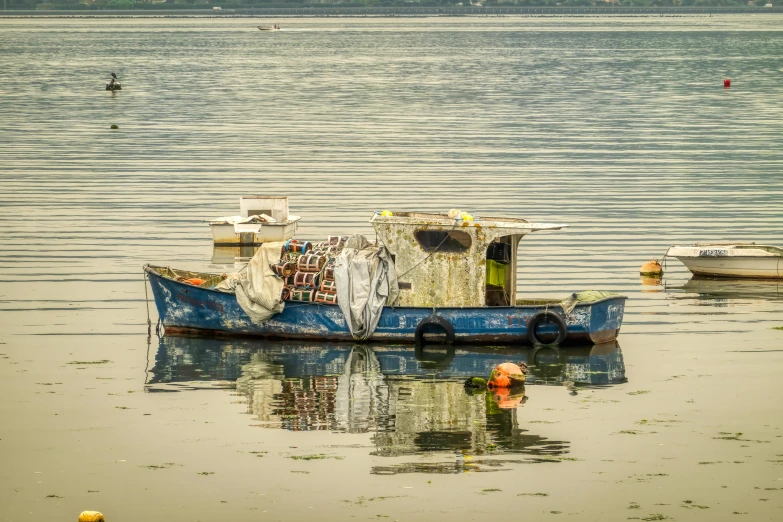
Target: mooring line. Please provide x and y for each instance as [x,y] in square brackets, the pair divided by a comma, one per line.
[147,302]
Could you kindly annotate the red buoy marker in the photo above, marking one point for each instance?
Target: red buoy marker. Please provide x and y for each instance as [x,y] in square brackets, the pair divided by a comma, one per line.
[726,83]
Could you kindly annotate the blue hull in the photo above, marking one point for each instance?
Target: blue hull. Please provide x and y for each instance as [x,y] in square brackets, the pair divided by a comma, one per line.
[187,309]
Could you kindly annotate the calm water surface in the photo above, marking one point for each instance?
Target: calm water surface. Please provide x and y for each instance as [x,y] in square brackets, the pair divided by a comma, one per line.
[618,126]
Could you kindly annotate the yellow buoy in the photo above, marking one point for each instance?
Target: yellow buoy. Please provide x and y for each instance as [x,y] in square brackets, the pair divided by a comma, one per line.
[91,516]
[386,213]
[651,268]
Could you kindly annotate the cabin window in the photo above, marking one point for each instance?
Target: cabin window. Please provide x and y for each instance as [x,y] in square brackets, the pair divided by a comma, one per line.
[447,241]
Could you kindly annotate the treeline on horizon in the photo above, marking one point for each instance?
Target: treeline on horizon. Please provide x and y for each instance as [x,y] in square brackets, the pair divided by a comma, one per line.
[250,4]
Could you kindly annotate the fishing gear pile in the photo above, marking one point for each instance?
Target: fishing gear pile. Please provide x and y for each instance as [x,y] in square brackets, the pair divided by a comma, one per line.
[307,270]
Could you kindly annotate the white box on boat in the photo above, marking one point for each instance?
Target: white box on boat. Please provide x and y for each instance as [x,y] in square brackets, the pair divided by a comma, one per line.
[242,230]
[275,206]
[224,233]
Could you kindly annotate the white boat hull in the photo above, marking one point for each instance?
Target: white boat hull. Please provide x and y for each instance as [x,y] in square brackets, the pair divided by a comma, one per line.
[730,261]
[230,234]
[758,267]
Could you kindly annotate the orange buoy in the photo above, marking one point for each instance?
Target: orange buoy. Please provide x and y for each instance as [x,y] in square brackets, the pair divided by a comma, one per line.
[506,375]
[726,83]
[652,269]
[507,400]
[195,281]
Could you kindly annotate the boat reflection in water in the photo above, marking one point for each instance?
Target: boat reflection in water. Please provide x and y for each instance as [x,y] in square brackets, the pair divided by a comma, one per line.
[413,401]
[722,291]
[229,255]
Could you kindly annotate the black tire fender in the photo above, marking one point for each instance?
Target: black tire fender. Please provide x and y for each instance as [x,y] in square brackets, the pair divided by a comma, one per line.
[437,321]
[540,317]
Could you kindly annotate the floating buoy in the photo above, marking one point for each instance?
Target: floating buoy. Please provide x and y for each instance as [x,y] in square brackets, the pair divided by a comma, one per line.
[507,400]
[651,269]
[726,83]
[91,516]
[650,284]
[506,375]
[113,126]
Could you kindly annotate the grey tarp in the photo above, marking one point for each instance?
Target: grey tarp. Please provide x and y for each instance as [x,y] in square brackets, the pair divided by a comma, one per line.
[257,287]
[366,281]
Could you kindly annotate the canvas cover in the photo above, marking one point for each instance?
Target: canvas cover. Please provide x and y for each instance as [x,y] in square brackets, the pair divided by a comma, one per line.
[257,287]
[366,281]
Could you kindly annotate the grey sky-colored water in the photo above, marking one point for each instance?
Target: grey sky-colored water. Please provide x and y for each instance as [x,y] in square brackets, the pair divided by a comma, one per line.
[619,127]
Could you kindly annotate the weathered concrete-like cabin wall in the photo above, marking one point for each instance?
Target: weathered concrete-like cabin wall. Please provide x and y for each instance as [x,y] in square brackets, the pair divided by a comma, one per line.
[440,279]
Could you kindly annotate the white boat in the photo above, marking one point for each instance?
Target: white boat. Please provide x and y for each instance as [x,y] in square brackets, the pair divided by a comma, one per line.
[730,259]
[262,219]
[269,27]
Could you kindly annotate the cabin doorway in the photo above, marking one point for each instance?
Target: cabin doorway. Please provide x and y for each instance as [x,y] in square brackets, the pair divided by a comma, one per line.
[500,272]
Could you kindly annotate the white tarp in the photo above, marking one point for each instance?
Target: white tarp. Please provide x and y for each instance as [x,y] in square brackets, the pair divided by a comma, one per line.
[237,220]
[257,287]
[366,281]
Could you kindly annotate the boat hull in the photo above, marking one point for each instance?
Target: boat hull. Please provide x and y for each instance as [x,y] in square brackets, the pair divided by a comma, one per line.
[190,310]
[741,260]
[749,267]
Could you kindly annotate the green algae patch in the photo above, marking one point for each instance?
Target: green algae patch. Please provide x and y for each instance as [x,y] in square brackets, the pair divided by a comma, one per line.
[639,392]
[102,361]
[165,465]
[533,495]
[729,436]
[690,505]
[475,383]
[319,456]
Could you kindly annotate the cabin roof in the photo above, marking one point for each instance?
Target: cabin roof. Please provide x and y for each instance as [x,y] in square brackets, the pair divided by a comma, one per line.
[511,225]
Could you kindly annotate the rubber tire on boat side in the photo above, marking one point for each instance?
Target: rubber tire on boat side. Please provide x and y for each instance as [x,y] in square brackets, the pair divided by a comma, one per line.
[537,319]
[434,320]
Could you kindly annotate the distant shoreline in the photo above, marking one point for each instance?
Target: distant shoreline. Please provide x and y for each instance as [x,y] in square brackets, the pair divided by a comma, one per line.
[384,12]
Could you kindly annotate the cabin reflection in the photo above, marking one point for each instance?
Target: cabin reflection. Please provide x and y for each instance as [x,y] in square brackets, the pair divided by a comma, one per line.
[411,400]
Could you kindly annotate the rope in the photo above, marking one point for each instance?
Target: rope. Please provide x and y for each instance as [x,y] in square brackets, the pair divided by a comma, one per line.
[147,301]
[430,254]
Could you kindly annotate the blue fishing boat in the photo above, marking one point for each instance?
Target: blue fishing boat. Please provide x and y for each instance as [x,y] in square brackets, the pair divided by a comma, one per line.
[454,279]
